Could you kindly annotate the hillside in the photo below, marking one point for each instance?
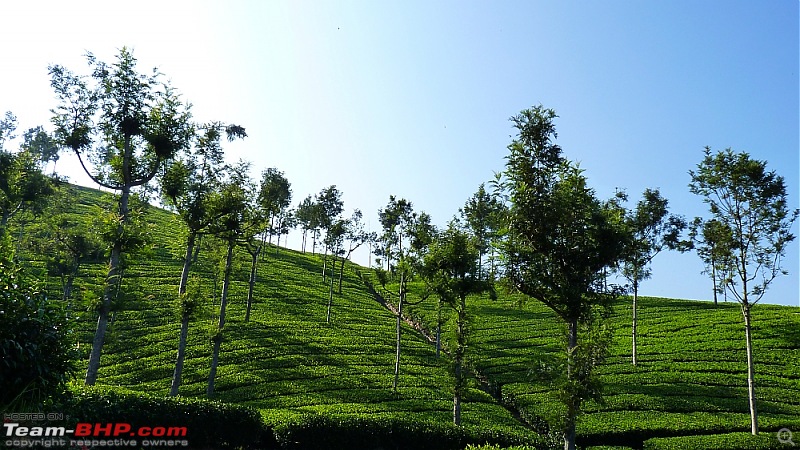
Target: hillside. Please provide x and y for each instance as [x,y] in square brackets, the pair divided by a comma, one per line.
[288,363]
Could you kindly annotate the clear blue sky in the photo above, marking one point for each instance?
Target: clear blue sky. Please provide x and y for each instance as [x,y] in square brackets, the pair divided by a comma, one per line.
[412,98]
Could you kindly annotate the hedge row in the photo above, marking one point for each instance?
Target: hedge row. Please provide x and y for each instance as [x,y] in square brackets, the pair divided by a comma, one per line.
[209,424]
[217,425]
[730,441]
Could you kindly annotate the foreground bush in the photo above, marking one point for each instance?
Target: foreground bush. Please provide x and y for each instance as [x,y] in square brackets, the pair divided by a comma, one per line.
[318,432]
[209,424]
[35,351]
[730,441]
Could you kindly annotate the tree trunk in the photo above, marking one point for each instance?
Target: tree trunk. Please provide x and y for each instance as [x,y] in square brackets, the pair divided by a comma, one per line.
[112,284]
[401,297]
[252,283]
[714,280]
[438,339]
[187,263]
[751,385]
[68,285]
[221,325]
[572,409]
[324,263]
[197,248]
[330,292]
[458,359]
[341,273]
[633,323]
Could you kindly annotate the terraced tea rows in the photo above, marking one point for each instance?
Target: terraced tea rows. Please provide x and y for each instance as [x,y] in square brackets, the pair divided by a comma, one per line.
[691,376]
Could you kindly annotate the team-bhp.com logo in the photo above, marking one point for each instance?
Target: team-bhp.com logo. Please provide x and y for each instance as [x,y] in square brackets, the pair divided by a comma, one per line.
[118,434]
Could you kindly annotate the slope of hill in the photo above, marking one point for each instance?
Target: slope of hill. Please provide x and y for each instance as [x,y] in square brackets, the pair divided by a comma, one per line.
[286,361]
[289,363]
[690,379]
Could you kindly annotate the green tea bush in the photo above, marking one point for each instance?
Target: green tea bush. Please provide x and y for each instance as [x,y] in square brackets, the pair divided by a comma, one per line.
[209,424]
[35,349]
[327,432]
[730,441]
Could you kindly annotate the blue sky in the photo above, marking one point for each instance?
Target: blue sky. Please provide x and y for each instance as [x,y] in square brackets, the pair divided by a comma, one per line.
[413,98]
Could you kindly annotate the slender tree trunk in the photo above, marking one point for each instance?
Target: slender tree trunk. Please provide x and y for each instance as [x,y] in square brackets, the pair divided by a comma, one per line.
[68,285]
[458,360]
[714,279]
[633,324]
[751,384]
[341,273]
[221,325]
[330,292]
[111,287]
[439,330]
[252,284]
[197,248]
[401,297]
[185,316]
[572,410]
[303,243]
[324,263]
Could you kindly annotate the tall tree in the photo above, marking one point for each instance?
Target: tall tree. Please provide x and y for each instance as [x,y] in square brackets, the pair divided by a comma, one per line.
[355,236]
[329,206]
[234,211]
[451,271]
[274,197]
[23,186]
[481,212]
[561,238]
[652,230]
[305,216]
[190,187]
[127,124]
[751,202]
[334,242]
[42,145]
[394,218]
[712,241]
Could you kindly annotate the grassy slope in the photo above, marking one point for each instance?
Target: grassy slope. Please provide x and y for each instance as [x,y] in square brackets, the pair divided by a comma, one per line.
[286,361]
[691,376]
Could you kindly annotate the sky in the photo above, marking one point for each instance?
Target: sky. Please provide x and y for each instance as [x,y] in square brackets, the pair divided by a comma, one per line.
[412,98]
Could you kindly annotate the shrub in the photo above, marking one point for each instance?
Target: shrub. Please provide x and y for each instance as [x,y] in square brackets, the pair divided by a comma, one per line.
[730,441]
[311,432]
[209,424]
[35,351]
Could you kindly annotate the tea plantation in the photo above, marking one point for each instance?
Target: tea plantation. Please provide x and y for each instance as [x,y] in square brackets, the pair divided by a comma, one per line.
[305,375]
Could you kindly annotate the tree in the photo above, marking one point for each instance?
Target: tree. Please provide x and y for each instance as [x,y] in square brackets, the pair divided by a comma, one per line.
[451,271]
[22,184]
[42,145]
[481,213]
[355,236]
[127,124]
[35,348]
[334,241]
[394,217]
[274,196]
[68,242]
[652,230]
[751,203]
[190,187]
[400,222]
[712,241]
[329,207]
[306,217]
[560,239]
[234,211]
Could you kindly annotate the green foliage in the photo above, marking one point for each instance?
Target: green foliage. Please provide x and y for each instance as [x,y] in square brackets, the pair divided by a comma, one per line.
[751,203]
[730,441]
[35,341]
[208,424]
[323,432]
